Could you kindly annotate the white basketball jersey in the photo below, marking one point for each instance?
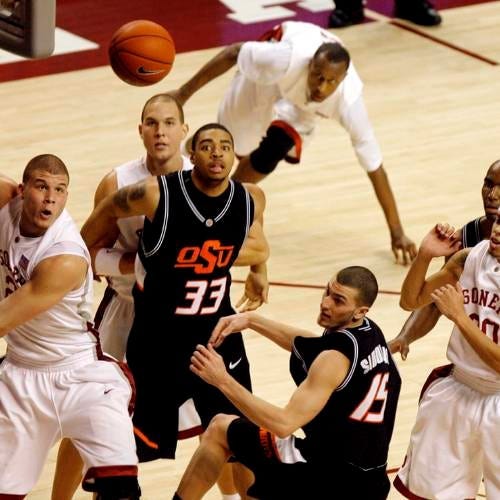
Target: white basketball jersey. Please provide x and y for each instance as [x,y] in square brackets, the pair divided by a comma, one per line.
[59,334]
[131,227]
[480,281]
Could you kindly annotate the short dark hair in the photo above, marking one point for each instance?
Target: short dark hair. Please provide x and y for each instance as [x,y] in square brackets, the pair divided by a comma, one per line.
[46,163]
[209,126]
[494,165]
[361,279]
[334,52]
[163,98]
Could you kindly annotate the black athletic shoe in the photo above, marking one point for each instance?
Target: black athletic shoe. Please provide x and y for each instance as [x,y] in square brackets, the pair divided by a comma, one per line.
[419,12]
[340,18]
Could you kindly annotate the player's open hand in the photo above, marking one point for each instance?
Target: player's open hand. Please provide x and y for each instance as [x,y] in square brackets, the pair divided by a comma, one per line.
[208,365]
[450,300]
[403,248]
[256,292]
[441,241]
[226,326]
[401,345]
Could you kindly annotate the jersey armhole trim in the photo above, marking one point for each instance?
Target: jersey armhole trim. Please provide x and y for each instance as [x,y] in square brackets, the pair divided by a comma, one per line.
[164,186]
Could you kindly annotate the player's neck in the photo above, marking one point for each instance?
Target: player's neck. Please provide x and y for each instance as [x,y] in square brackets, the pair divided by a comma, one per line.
[486,225]
[163,167]
[208,186]
[355,324]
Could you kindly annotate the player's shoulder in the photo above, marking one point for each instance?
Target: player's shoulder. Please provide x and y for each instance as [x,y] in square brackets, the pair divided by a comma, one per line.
[106,186]
[255,191]
[457,261]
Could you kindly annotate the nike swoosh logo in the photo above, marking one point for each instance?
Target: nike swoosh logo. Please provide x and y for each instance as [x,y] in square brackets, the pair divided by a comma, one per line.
[143,71]
[107,390]
[235,364]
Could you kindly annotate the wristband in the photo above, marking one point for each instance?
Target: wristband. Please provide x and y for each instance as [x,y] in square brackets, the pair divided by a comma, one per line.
[107,262]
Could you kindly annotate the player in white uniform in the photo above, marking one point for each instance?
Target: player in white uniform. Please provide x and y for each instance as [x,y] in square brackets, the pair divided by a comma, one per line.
[297,73]
[455,439]
[54,380]
[162,130]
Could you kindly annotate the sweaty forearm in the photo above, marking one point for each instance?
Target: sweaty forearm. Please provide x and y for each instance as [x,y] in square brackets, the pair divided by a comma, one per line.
[279,333]
[419,323]
[97,226]
[257,410]
[385,197]
[485,348]
[414,282]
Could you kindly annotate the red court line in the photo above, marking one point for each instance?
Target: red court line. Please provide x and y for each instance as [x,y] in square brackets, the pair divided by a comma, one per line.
[439,41]
[316,287]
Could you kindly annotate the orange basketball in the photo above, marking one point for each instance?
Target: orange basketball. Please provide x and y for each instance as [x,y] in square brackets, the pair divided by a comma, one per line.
[141,52]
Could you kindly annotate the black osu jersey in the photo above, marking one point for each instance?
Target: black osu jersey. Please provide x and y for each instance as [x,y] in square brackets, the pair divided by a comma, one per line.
[356,424]
[471,233]
[187,252]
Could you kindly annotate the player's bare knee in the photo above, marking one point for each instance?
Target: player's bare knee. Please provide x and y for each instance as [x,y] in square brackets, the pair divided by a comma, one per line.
[217,429]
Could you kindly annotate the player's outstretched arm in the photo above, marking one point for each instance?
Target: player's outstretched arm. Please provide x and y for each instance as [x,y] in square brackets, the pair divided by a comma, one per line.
[326,373]
[403,248]
[440,241]
[354,118]
[136,199]
[280,333]
[254,253]
[217,66]
[42,291]
[450,301]
[255,249]
[256,289]
[418,324]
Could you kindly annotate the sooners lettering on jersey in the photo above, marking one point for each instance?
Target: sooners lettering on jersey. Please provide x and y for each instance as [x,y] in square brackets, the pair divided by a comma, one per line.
[481,284]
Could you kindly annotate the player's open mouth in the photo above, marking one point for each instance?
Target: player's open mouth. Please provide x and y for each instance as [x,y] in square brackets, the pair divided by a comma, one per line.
[46,214]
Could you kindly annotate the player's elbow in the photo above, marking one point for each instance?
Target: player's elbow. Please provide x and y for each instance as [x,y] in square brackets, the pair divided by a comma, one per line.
[231,52]
[495,365]
[284,429]
[263,253]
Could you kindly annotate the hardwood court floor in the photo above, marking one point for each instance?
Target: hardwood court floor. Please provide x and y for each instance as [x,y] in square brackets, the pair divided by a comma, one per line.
[435,112]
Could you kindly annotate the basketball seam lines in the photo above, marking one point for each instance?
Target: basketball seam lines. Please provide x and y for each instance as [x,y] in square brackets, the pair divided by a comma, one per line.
[116,52]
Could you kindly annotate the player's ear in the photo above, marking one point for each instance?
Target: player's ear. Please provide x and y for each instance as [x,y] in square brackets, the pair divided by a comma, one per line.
[20,189]
[360,312]
[185,130]
[140,130]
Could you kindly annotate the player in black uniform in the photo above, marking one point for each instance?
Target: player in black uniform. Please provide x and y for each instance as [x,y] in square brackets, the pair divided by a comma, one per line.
[348,388]
[198,224]
[423,320]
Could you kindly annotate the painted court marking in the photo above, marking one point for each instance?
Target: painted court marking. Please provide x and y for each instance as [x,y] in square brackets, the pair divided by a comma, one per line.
[424,34]
[315,287]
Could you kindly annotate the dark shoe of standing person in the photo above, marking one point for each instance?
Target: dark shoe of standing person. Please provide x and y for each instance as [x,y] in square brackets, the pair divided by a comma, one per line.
[340,18]
[419,12]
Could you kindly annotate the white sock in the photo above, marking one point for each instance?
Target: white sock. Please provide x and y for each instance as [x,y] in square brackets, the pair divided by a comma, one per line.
[234,496]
